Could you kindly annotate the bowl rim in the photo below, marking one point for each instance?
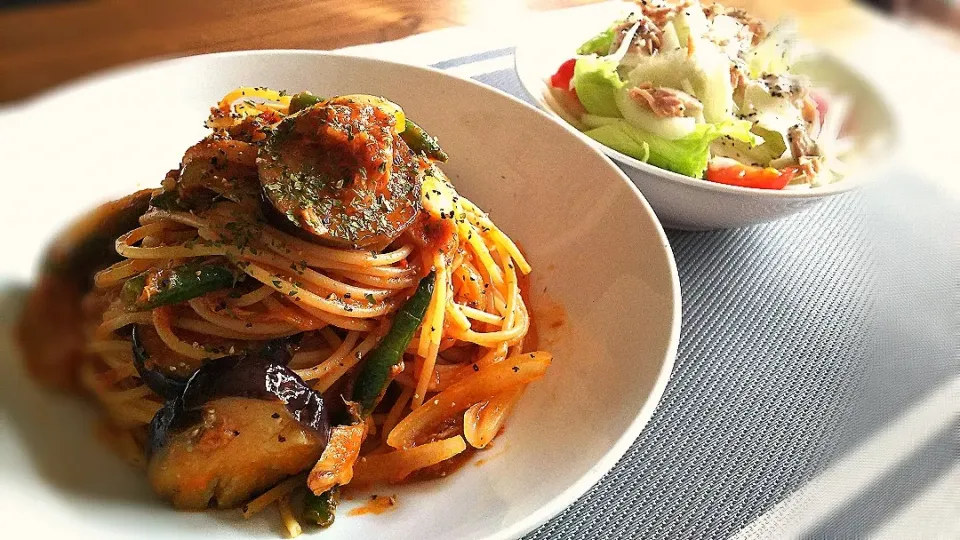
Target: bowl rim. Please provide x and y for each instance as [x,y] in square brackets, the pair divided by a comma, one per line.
[861,175]
[618,449]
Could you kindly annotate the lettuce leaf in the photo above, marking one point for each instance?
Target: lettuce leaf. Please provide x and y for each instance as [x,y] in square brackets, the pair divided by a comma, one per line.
[600,43]
[735,129]
[596,81]
[622,137]
[687,156]
[594,121]
[761,154]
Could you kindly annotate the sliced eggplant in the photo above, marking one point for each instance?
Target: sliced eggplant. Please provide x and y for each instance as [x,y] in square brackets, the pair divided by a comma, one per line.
[339,171]
[240,425]
[224,167]
[236,448]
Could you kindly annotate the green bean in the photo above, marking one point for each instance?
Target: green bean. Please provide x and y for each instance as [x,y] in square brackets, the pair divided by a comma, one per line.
[375,374]
[321,509]
[303,100]
[174,285]
[420,141]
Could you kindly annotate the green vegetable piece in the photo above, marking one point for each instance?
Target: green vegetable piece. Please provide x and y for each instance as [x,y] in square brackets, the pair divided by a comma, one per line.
[420,141]
[596,81]
[621,137]
[772,147]
[600,43]
[687,156]
[375,374]
[303,100]
[594,121]
[131,290]
[372,382]
[321,509]
[175,285]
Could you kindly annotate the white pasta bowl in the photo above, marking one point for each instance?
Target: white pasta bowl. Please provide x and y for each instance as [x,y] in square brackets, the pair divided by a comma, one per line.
[683,202]
[604,289]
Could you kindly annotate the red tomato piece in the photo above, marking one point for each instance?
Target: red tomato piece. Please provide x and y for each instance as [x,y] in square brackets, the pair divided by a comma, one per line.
[561,79]
[751,177]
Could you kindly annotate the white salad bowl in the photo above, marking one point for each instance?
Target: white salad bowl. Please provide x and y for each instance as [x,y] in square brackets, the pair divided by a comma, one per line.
[604,288]
[683,202]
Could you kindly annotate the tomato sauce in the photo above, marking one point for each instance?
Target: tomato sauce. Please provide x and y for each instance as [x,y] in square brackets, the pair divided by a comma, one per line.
[377,504]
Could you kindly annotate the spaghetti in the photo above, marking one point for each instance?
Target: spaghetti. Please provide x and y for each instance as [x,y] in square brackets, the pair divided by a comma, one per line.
[316,223]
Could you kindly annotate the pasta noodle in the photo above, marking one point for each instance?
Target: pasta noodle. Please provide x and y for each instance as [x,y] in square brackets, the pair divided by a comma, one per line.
[207,274]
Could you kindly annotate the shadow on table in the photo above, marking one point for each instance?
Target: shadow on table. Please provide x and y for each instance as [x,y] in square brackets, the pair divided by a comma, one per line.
[861,516]
[872,297]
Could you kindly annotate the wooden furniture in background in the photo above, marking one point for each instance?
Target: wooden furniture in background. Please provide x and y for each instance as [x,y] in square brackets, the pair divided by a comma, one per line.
[49,44]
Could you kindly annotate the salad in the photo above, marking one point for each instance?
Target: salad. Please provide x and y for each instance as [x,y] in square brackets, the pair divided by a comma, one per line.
[705,91]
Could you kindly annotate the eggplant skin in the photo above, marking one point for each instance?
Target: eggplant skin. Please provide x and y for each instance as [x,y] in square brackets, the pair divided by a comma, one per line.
[238,448]
[232,377]
[240,425]
[163,385]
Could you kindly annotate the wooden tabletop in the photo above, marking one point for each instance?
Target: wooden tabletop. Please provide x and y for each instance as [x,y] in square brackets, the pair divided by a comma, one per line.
[49,44]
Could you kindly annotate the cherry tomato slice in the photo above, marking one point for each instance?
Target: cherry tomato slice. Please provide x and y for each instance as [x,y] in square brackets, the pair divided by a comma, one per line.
[751,177]
[561,79]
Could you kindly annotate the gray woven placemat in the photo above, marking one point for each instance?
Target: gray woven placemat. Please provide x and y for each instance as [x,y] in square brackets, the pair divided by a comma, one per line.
[800,338]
